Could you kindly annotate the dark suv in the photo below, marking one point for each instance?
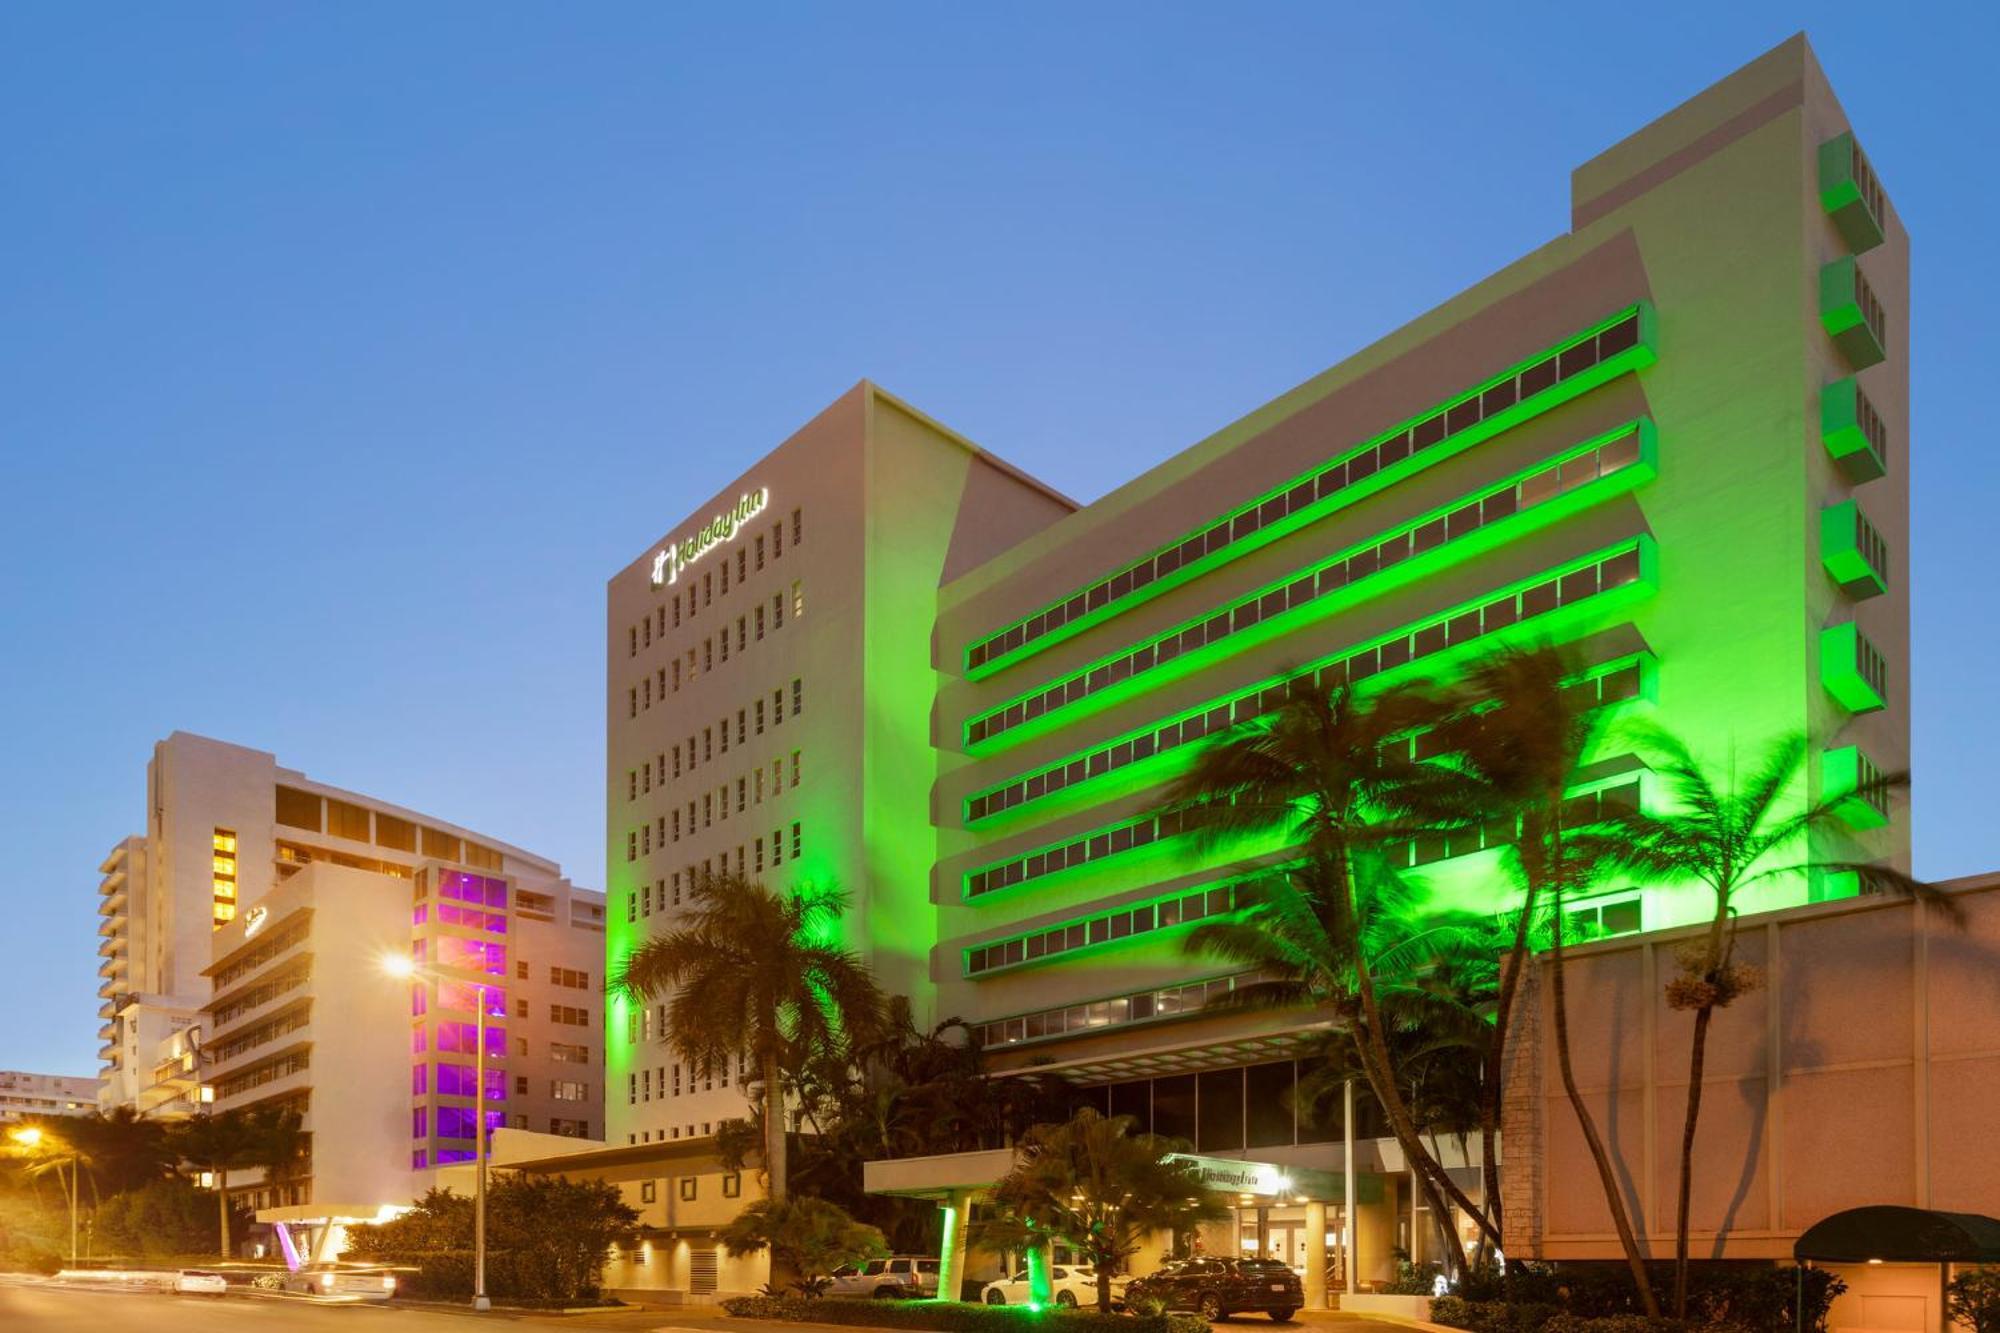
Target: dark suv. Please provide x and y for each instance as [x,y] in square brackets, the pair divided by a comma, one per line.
[1219,1288]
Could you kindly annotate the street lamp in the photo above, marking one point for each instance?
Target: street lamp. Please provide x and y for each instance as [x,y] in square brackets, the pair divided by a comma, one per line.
[400,965]
[32,1138]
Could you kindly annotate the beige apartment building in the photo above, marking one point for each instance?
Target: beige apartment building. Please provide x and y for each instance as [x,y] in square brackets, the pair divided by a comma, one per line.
[25,1094]
[265,904]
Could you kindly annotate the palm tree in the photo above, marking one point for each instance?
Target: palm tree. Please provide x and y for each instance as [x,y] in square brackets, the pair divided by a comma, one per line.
[216,1143]
[280,1144]
[1327,772]
[1092,1184]
[123,1149]
[1728,835]
[1290,932]
[755,971]
[1512,749]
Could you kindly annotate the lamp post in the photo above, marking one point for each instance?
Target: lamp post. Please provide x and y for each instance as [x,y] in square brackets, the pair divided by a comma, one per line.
[31,1138]
[401,966]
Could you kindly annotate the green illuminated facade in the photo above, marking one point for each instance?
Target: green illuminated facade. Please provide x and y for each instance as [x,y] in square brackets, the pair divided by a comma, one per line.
[1673,436]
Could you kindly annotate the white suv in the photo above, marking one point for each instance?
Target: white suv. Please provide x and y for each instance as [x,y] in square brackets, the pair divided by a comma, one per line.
[905,1275]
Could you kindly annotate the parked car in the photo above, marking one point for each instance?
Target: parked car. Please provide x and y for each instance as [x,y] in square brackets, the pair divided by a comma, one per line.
[1218,1288]
[201,1282]
[902,1275]
[341,1282]
[1068,1285]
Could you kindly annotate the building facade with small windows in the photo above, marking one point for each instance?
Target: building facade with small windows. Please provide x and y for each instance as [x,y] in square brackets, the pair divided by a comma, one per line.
[25,1094]
[269,902]
[1673,439]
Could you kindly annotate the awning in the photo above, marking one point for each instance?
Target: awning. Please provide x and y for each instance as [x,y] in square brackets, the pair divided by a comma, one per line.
[1886,1233]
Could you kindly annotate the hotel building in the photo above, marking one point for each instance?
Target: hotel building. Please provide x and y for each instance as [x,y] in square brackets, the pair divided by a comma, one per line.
[267,903]
[1671,438]
[23,1094]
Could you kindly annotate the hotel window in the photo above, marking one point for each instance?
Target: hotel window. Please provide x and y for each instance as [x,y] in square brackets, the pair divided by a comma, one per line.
[725,576]
[798,697]
[396,834]
[646,692]
[722,801]
[707,589]
[760,716]
[795,841]
[631,1089]
[520,1008]
[634,650]
[632,846]
[724,637]
[795,768]
[663,622]
[708,654]
[760,851]
[742,632]
[646,775]
[570,977]
[649,1192]
[631,784]
[568,1016]
[741,731]
[777,847]
[677,826]
[760,785]
[676,879]
[777,540]
[798,531]
[707,809]
[798,598]
[662,674]
[677,675]
[298,809]
[631,907]
[645,1085]
[722,726]
[760,551]
[677,759]
[707,744]
[632,704]
[760,620]
[677,610]
[687,1189]
[777,610]
[648,624]
[741,791]
[520,1085]
[521,969]
[646,893]
[777,707]
[646,840]
[567,1090]
[742,564]
[223,875]
[661,833]
[732,1185]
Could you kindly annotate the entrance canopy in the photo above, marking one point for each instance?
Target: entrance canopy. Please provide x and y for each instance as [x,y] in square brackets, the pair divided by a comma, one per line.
[1889,1234]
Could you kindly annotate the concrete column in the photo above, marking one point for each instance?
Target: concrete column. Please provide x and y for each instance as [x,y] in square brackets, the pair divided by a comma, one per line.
[1315,1255]
[1420,1221]
[957,1209]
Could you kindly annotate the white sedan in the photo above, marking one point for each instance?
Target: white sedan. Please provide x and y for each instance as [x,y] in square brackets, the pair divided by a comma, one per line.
[201,1282]
[1068,1285]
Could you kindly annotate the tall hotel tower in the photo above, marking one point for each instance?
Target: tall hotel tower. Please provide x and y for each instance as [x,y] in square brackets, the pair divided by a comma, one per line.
[1673,437]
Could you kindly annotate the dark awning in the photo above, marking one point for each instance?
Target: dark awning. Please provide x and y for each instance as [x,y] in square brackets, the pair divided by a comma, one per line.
[1897,1235]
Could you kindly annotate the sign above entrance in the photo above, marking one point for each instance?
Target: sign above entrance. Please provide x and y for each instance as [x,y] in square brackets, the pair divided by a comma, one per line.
[1263,1179]
[672,558]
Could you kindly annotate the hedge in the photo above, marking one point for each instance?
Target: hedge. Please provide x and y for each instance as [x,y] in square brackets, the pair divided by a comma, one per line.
[952,1317]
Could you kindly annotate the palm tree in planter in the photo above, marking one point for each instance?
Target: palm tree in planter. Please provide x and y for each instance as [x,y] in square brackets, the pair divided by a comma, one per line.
[1092,1184]
[1729,834]
[1327,773]
[756,972]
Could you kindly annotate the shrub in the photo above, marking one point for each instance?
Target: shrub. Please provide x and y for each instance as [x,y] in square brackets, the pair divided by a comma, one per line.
[546,1240]
[951,1317]
[806,1236]
[1493,1316]
[1975,1299]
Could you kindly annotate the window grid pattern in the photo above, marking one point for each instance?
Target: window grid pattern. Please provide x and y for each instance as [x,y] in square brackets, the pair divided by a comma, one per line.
[1561,475]
[1085,932]
[1142,1007]
[1449,630]
[1464,413]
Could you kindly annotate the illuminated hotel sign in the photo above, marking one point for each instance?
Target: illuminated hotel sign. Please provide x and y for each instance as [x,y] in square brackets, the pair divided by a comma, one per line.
[253,920]
[676,556]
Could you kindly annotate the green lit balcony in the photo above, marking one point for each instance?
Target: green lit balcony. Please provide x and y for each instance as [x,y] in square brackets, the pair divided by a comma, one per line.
[1853,432]
[1850,194]
[1853,552]
[1852,783]
[1851,315]
[1852,671]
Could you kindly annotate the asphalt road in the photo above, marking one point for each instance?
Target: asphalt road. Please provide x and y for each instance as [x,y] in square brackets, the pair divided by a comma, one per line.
[29,1305]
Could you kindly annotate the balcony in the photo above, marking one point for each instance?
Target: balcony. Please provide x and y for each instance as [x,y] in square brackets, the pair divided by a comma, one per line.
[1851,669]
[111,966]
[114,903]
[1853,552]
[1851,315]
[1850,193]
[1851,783]
[1855,436]
[111,947]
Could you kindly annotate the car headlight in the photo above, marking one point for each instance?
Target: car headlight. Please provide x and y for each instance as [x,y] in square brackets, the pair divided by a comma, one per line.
[329,1282]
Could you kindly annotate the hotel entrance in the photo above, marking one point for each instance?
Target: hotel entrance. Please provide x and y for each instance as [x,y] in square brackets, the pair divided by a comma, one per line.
[1282,1233]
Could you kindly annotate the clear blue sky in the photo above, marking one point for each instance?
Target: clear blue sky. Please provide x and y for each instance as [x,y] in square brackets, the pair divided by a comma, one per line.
[345,350]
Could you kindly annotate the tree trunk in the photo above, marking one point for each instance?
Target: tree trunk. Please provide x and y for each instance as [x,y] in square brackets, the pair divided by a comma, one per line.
[222,1195]
[1614,1198]
[1696,1060]
[1103,1287]
[774,1127]
[1496,1057]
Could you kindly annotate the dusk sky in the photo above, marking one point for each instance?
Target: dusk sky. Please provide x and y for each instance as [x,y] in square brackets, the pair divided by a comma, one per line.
[347,350]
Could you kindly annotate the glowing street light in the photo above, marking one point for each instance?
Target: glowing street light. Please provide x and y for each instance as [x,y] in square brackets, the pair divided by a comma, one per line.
[34,1141]
[404,967]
